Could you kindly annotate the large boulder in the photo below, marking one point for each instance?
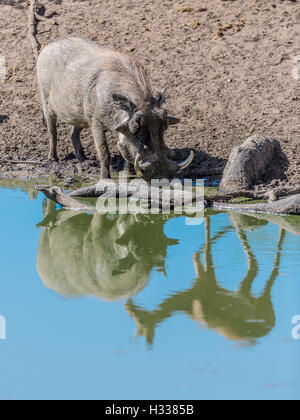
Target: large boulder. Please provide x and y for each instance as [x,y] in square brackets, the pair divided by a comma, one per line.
[248,163]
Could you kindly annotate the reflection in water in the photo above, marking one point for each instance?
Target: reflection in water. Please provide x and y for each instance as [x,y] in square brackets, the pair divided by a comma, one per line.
[107,256]
[112,257]
[236,315]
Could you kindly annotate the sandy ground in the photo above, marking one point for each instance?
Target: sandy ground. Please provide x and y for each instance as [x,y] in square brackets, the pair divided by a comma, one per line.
[228,65]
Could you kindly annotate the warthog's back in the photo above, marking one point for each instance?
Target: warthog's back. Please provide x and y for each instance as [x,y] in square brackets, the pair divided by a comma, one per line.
[65,51]
[65,68]
[68,67]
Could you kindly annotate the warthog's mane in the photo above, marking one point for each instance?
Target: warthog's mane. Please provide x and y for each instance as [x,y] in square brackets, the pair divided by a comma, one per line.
[131,75]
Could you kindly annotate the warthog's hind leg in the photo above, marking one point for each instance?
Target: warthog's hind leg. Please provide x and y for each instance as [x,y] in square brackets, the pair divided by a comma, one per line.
[75,135]
[50,119]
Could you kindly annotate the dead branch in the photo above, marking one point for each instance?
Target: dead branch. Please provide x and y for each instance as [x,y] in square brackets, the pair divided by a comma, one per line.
[32,24]
[40,18]
[21,162]
[57,195]
[287,206]
[144,193]
[270,195]
[148,197]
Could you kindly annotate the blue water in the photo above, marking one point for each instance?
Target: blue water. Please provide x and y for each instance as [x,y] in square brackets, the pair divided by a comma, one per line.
[166,342]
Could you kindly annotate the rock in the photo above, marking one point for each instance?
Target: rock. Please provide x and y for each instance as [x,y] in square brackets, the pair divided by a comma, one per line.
[248,163]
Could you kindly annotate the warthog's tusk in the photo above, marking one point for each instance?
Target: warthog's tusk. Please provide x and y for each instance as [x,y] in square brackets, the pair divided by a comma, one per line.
[186,162]
[137,164]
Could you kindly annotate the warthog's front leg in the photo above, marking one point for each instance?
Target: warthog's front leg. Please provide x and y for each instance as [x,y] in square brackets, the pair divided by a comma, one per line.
[75,135]
[129,168]
[128,150]
[129,158]
[102,148]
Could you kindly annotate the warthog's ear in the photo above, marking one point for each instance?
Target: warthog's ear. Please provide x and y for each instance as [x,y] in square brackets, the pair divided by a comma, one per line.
[161,96]
[130,126]
[123,103]
[123,128]
[173,120]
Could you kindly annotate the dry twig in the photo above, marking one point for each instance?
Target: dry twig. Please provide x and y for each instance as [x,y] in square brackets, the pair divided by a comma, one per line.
[32,24]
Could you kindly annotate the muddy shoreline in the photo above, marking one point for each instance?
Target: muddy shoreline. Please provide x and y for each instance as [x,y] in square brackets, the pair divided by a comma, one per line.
[228,66]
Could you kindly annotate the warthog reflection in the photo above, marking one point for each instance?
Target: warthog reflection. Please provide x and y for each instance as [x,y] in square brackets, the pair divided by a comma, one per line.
[239,316]
[111,257]
[106,256]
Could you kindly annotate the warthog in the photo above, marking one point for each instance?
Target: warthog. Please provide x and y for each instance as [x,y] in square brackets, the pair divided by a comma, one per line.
[85,85]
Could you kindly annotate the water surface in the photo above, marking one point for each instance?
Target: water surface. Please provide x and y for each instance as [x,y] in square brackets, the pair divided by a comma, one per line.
[146,307]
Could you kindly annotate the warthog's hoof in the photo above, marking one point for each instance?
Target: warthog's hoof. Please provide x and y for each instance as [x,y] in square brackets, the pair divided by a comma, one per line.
[81,158]
[53,159]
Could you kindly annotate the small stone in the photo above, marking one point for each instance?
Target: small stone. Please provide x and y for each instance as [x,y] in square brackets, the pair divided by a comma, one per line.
[184,9]
[193,25]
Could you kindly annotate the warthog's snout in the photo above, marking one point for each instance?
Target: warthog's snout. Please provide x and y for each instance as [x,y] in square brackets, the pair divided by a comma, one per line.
[158,167]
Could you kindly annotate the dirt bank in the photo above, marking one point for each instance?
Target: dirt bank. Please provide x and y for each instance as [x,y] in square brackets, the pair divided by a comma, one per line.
[228,65]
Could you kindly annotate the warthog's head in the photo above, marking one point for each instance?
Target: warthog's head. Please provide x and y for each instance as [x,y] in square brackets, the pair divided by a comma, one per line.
[143,132]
